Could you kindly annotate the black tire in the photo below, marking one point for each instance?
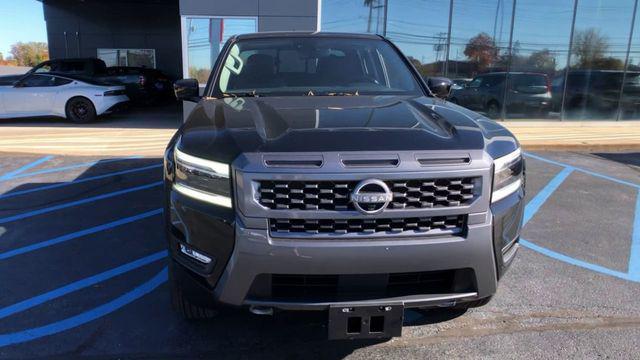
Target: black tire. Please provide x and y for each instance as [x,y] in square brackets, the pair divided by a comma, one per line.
[474,303]
[80,110]
[182,304]
[493,109]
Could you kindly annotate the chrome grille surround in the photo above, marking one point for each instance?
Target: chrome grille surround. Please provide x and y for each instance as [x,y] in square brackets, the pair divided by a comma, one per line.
[250,171]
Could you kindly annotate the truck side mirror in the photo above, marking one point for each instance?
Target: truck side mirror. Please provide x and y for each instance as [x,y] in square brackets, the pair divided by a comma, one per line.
[440,86]
[187,90]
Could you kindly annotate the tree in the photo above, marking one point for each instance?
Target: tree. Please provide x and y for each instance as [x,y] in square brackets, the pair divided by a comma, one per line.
[29,54]
[1,57]
[542,60]
[590,47]
[482,50]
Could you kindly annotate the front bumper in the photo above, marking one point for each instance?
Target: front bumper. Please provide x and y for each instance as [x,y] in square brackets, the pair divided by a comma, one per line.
[243,255]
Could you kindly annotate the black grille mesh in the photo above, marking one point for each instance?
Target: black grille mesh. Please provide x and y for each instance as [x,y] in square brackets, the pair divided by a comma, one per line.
[453,224]
[334,195]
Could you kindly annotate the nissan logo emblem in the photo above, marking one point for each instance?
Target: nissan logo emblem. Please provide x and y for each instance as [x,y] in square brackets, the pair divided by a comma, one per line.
[371,196]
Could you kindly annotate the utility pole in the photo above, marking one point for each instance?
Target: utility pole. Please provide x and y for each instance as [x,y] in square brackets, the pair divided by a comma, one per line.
[446,60]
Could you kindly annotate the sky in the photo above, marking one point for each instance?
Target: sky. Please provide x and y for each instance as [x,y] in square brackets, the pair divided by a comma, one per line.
[20,20]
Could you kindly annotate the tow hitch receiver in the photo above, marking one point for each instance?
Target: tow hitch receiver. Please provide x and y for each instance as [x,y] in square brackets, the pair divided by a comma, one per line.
[365,322]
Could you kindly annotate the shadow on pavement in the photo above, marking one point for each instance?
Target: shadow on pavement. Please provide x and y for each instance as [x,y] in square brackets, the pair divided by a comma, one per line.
[629,158]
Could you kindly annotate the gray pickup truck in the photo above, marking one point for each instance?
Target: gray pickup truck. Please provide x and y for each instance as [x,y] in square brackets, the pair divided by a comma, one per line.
[319,172]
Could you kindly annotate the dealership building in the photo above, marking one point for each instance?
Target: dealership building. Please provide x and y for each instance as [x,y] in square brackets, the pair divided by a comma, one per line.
[459,39]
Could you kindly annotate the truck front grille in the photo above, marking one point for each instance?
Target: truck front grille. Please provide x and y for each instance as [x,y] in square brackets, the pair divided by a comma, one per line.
[334,195]
[453,224]
[345,287]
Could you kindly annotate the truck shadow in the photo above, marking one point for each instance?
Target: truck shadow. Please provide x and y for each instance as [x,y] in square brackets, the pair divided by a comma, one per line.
[234,333]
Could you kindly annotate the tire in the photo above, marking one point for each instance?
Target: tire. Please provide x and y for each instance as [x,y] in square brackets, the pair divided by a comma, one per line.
[80,110]
[182,304]
[474,303]
[493,109]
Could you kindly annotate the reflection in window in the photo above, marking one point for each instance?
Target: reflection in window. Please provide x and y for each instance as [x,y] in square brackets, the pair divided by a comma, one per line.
[128,57]
[205,38]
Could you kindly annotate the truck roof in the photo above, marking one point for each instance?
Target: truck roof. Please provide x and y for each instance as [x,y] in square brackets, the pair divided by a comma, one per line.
[319,34]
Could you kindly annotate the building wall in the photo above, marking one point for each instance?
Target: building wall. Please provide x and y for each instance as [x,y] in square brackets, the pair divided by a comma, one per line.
[93,24]
[273,15]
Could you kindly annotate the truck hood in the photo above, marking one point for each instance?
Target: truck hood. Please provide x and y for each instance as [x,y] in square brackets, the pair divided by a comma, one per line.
[221,129]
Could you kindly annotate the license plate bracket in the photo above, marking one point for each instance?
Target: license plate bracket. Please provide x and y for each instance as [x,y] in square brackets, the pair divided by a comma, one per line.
[380,321]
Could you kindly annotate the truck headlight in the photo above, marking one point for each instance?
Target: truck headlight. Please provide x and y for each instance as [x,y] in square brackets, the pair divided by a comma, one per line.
[202,179]
[508,175]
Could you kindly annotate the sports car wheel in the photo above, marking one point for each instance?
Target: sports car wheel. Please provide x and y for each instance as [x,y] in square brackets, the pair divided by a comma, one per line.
[80,110]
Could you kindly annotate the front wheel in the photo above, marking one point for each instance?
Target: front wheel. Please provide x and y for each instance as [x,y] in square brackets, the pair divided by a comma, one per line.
[80,110]
[493,110]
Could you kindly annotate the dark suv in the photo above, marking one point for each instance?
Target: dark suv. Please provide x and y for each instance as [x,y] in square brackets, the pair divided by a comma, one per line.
[596,93]
[529,94]
[318,172]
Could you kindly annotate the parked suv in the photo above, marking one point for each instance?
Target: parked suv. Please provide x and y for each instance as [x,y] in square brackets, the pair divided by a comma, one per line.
[529,94]
[318,172]
[597,92]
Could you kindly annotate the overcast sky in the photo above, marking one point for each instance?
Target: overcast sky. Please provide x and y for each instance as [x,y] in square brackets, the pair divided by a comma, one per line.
[20,20]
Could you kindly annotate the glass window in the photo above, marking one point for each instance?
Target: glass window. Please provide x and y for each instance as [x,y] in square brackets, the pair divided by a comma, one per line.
[205,37]
[128,57]
[58,81]
[302,65]
[598,54]
[38,81]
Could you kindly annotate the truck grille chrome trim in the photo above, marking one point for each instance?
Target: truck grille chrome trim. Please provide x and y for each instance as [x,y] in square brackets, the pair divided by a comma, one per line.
[335,195]
[436,225]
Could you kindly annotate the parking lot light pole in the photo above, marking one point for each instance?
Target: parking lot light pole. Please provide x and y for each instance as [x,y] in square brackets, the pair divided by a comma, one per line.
[566,70]
[626,61]
[503,111]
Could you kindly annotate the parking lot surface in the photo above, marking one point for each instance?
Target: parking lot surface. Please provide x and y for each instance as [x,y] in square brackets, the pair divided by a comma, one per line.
[82,272]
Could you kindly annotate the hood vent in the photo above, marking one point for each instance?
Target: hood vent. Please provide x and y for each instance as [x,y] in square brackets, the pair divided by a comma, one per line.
[352,161]
[438,160]
[293,161]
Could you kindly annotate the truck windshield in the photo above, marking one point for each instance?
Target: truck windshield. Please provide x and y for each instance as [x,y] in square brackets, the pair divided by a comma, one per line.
[313,66]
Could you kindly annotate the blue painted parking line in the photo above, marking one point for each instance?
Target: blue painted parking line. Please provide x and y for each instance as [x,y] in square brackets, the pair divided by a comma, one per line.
[576,262]
[70,167]
[80,284]
[536,203]
[634,252]
[77,202]
[22,169]
[87,316]
[79,181]
[589,172]
[77,234]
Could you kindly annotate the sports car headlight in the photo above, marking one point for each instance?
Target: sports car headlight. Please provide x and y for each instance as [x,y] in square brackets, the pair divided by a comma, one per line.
[202,179]
[508,175]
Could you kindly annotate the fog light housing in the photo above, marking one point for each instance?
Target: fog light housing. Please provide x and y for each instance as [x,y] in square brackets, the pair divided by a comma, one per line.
[194,254]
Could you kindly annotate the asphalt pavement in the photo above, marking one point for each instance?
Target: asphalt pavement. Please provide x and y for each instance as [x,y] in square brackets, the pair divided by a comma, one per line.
[82,273]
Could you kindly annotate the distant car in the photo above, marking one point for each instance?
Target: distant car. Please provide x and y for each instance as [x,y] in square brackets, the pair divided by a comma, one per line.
[529,93]
[597,92]
[90,67]
[75,98]
[460,83]
[143,85]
